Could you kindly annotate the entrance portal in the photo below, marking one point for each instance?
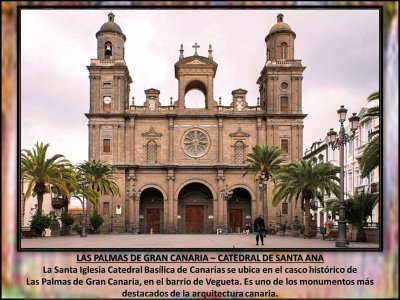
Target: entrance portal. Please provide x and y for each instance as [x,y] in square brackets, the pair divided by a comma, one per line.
[195,209]
[151,211]
[239,210]
[194,219]
[153,219]
[235,219]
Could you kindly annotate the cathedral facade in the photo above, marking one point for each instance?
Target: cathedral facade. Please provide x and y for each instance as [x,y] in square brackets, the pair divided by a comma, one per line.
[179,169]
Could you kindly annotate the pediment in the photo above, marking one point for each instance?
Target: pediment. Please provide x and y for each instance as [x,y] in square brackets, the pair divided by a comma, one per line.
[151,133]
[239,133]
[195,62]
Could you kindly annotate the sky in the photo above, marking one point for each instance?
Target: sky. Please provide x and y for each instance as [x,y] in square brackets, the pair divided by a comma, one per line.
[339,48]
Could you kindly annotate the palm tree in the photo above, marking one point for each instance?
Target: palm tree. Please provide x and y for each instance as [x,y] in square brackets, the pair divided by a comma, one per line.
[358,209]
[42,173]
[305,180]
[101,180]
[371,156]
[267,160]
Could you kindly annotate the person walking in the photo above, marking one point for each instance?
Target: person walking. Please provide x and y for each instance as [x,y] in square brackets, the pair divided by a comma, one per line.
[259,228]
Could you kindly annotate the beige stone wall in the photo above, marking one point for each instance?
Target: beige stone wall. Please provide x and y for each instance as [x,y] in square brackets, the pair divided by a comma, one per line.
[130,129]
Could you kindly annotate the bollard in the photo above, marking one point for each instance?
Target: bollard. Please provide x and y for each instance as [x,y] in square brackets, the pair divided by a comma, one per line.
[152,230]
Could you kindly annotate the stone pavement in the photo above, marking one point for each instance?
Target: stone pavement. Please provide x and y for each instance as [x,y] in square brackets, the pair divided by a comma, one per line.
[181,241]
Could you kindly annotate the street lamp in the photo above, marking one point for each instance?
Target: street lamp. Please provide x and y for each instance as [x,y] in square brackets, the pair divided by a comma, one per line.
[135,195]
[226,194]
[84,184]
[262,184]
[339,142]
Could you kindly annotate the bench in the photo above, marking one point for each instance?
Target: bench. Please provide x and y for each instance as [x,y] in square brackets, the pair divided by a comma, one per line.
[331,235]
[28,234]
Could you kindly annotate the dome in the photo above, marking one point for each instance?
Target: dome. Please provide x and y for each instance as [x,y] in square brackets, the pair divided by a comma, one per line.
[110,26]
[280,26]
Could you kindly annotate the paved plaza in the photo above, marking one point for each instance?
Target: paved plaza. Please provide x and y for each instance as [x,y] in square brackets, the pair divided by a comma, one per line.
[181,241]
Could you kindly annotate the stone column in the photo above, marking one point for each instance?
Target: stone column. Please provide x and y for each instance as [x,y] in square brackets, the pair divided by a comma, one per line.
[127,143]
[171,139]
[132,140]
[98,142]
[114,145]
[97,102]
[220,140]
[220,208]
[259,130]
[169,224]
[90,134]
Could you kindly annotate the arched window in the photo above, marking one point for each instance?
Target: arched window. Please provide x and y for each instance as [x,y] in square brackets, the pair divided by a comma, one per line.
[267,54]
[107,50]
[239,152]
[285,145]
[284,104]
[151,152]
[284,49]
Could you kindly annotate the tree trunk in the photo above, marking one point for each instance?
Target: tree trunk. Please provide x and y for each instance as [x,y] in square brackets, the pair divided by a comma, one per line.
[361,235]
[40,204]
[266,207]
[66,205]
[307,225]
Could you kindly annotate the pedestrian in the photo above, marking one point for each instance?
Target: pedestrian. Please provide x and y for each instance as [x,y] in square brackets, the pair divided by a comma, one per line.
[247,229]
[259,229]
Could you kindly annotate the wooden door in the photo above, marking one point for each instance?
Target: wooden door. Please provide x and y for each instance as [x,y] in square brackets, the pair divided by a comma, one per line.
[153,219]
[194,219]
[235,219]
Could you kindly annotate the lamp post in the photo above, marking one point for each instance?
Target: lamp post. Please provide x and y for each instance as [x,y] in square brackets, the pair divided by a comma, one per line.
[226,194]
[83,183]
[135,195]
[262,184]
[339,142]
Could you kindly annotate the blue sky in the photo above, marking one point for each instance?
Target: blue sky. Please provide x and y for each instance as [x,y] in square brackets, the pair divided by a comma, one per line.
[338,47]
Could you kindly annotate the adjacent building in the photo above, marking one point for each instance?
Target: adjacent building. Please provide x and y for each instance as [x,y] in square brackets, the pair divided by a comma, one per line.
[320,151]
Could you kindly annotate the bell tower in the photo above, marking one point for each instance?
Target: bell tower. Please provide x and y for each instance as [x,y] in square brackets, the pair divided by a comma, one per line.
[196,73]
[108,73]
[280,86]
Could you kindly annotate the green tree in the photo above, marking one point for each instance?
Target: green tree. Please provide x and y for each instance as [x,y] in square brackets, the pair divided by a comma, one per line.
[100,178]
[42,173]
[305,180]
[371,156]
[358,208]
[267,160]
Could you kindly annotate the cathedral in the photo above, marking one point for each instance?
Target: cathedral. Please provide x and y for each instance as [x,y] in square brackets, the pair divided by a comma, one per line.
[179,169]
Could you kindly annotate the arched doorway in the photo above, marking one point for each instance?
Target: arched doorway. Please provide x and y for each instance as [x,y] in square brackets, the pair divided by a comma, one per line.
[239,210]
[195,209]
[151,211]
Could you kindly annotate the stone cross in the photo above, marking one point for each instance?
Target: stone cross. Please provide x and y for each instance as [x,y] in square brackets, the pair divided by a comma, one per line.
[195,46]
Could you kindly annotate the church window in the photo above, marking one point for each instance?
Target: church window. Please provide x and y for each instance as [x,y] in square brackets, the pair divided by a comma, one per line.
[285,145]
[284,49]
[106,208]
[195,143]
[107,50]
[284,86]
[151,152]
[284,104]
[239,152]
[106,145]
[267,54]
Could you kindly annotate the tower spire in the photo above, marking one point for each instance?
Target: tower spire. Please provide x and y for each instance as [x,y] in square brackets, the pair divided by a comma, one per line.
[210,53]
[181,51]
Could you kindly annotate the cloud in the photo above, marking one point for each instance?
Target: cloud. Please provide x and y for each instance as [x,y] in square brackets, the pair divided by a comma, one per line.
[339,48]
